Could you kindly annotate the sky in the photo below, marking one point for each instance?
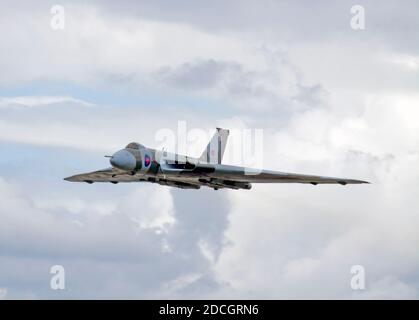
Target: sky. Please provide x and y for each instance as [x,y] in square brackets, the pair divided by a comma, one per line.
[329,99]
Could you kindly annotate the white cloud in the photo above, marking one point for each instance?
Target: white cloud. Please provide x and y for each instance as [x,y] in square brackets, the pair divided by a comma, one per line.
[306,239]
[3,293]
[389,288]
[35,101]
[96,44]
[95,128]
[144,243]
[153,208]
[407,61]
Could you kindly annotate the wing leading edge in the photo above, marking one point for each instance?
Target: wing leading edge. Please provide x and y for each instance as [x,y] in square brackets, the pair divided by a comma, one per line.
[106,175]
[115,176]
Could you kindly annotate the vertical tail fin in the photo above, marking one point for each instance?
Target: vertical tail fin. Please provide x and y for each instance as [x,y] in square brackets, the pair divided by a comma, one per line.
[214,151]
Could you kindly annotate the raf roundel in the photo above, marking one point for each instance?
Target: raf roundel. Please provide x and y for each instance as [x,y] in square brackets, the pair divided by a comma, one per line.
[147,160]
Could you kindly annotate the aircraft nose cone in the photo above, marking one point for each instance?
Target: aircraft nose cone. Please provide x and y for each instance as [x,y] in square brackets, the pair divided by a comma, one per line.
[123,160]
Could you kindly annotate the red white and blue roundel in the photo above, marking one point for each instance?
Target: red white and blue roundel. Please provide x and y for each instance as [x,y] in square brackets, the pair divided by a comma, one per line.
[147,160]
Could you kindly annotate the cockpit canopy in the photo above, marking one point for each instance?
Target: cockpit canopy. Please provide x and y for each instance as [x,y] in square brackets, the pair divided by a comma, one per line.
[134,145]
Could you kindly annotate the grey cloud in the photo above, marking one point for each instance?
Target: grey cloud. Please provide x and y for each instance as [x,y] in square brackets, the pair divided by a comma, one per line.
[198,75]
[247,89]
[107,256]
[203,216]
[390,23]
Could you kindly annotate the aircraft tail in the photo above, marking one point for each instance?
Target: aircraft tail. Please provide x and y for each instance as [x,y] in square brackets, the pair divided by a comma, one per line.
[214,151]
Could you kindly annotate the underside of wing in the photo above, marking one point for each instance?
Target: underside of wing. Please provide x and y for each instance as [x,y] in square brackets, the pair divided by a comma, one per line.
[106,175]
[241,174]
[181,184]
[215,176]
[272,177]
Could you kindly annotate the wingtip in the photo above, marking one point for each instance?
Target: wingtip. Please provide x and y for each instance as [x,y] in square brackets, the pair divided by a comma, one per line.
[345,182]
[363,182]
[70,179]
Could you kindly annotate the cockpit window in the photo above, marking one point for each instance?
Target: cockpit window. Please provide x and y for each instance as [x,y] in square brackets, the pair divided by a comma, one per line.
[134,145]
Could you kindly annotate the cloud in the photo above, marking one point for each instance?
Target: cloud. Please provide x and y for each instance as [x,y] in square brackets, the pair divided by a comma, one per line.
[278,86]
[408,61]
[35,101]
[97,45]
[3,293]
[146,244]
[96,128]
[307,239]
[144,53]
